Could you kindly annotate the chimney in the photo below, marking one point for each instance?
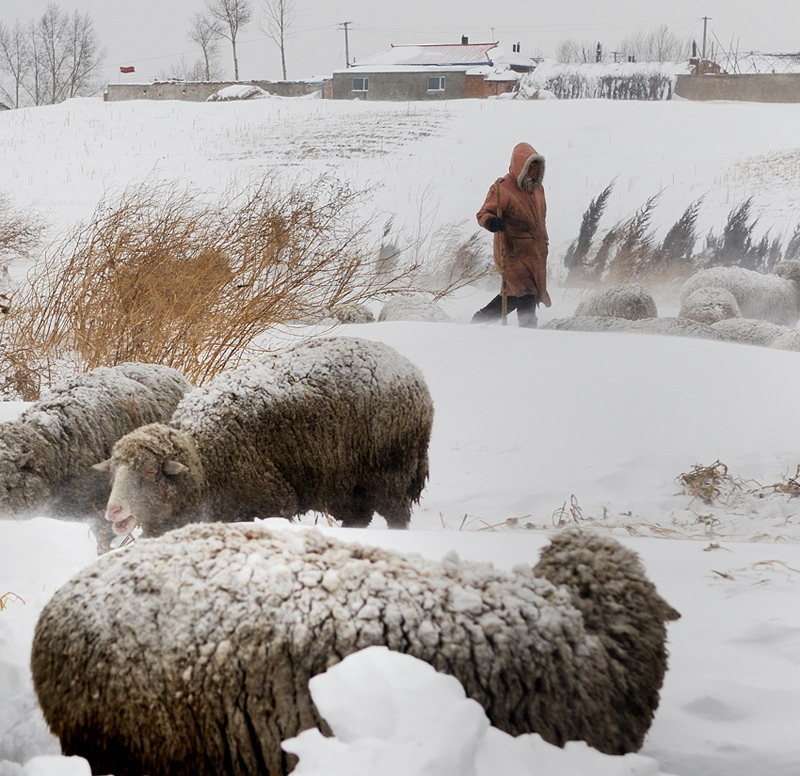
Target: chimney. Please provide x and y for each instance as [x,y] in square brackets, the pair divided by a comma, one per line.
[464,40]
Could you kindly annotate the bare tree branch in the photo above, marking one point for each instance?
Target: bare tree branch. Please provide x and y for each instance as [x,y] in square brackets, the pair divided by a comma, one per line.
[232,16]
[279,20]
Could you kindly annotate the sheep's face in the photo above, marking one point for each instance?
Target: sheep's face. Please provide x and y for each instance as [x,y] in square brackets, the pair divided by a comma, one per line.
[154,477]
[144,495]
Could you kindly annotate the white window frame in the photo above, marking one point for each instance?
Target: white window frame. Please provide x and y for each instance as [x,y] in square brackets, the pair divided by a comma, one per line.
[440,79]
[364,84]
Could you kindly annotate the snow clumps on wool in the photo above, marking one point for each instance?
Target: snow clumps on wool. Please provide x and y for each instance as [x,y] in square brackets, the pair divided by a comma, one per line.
[338,425]
[203,642]
[675,327]
[749,331]
[46,455]
[625,300]
[774,298]
[710,304]
[414,307]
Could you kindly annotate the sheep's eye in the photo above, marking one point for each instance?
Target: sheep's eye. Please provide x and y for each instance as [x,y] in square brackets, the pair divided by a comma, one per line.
[149,473]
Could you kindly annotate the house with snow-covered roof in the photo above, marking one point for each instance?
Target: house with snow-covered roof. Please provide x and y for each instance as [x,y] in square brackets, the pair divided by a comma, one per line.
[443,71]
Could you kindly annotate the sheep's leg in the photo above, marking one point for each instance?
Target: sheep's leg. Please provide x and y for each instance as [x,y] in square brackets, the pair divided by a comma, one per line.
[397,514]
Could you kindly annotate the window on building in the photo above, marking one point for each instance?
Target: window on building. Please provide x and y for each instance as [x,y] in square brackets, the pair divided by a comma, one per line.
[361,84]
[436,83]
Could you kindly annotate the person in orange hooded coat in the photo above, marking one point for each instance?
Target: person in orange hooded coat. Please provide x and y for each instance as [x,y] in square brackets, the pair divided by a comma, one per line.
[515,210]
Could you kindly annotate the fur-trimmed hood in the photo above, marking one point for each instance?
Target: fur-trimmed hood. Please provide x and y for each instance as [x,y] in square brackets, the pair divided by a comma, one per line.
[522,157]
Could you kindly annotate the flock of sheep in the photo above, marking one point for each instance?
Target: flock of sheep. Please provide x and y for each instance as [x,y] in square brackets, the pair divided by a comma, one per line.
[191,649]
[722,303]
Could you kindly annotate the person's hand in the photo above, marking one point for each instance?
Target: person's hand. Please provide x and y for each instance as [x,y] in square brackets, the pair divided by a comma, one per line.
[496,224]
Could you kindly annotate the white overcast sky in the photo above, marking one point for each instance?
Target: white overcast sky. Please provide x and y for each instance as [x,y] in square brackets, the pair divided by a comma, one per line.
[150,34]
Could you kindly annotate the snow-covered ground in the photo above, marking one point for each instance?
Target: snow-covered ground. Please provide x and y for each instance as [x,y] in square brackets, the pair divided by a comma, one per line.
[534,429]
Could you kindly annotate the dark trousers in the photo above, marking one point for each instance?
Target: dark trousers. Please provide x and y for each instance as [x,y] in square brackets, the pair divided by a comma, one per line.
[524,305]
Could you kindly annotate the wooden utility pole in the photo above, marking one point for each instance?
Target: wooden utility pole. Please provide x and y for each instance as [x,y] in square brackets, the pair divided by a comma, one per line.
[706,20]
[344,26]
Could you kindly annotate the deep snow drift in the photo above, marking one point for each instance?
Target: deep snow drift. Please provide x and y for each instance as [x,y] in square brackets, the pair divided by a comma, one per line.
[533,429]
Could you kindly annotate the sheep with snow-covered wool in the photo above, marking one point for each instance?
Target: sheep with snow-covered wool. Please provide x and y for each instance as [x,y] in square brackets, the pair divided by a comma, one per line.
[204,640]
[353,313]
[789,339]
[748,331]
[624,300]
[675,327]
[709,304]
[774,298]
[339,425]
[413,307]
[46,455]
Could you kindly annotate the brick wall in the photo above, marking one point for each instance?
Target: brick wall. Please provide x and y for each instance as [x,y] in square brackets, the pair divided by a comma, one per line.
[766,87]
[200,91]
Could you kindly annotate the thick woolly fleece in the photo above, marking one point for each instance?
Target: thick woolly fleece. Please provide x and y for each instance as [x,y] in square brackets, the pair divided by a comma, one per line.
[47,453]
[774,298]
[624,300]
[192,653]
[340,425]
[710,305]
[675,327]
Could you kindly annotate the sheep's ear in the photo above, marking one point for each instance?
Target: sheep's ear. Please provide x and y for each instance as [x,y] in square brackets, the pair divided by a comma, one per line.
[24,459]
[174,467]
[103,466]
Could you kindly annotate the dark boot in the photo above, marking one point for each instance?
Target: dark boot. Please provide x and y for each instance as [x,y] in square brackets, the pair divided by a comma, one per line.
[526,311]
[491,313]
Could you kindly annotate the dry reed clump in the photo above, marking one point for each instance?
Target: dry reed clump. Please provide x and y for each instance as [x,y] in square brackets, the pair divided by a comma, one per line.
[790,487]
[709,483]
[162,276]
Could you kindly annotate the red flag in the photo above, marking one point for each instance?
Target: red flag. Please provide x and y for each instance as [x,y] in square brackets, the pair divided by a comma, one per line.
[128,69]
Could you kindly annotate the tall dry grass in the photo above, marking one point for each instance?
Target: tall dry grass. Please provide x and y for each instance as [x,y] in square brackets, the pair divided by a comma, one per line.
[629,252]
[161,275]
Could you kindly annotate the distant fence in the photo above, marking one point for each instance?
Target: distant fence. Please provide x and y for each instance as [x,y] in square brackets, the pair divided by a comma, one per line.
[200,91]
[764,87]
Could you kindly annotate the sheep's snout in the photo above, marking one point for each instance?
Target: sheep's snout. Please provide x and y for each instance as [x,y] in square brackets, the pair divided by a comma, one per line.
[120,510]
[122,521]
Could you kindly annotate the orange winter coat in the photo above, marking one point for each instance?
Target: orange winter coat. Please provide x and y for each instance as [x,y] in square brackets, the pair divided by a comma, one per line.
[521,251]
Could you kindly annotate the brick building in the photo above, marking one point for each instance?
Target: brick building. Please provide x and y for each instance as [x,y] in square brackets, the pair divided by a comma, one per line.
[431,72]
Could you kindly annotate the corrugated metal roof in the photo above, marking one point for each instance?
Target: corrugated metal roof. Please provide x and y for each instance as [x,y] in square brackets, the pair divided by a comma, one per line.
[461,54]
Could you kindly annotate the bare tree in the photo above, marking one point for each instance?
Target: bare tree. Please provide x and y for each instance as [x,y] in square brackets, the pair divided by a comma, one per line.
[181,70]
[15,60]
[279,19]
[657,45]
[573,51]
[205,31]
[63,57]
[232,16]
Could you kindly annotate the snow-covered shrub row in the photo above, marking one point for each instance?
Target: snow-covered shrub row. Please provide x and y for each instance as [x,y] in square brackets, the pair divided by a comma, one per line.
[339,425]
[624,300]
[46,455]
[203,642]
[614,81]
